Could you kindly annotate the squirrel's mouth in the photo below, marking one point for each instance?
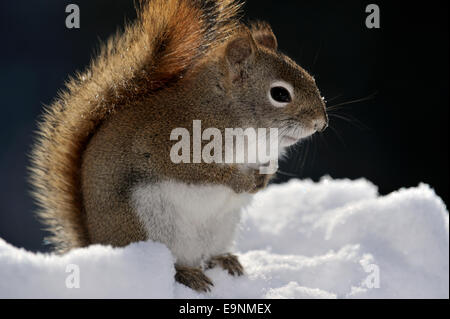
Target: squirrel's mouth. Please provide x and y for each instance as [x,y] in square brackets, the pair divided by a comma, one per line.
[294,136]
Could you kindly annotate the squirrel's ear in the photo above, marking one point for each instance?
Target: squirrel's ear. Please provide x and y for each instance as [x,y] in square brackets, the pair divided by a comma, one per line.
[263,35]
[240,49]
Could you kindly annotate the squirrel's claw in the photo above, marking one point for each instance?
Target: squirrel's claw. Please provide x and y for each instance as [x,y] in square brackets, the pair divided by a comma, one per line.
[261,181]
[193,278]
[228,262]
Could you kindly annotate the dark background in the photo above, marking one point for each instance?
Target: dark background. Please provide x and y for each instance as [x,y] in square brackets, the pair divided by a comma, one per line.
[398,138]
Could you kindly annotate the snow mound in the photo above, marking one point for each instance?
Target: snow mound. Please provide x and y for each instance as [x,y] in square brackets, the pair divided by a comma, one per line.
[332,239]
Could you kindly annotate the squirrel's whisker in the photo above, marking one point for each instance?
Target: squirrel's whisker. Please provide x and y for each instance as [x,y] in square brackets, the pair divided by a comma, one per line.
[332,107]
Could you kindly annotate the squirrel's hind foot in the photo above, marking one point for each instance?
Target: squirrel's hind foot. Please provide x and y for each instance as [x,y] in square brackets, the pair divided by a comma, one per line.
[193,278]
[228,262]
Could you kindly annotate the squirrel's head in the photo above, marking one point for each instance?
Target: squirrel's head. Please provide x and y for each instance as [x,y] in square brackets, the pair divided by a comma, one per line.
[269,88]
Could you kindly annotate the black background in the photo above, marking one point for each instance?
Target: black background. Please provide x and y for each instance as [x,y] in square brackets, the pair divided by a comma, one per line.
[397,138]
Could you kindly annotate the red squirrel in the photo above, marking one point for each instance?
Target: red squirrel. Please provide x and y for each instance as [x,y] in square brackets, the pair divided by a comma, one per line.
[101,166]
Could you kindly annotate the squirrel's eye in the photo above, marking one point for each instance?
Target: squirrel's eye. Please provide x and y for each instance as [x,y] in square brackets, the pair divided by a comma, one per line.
[280,93]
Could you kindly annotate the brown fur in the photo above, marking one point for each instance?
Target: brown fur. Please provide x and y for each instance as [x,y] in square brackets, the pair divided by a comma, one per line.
[263,35]
[183,60]
[168,38]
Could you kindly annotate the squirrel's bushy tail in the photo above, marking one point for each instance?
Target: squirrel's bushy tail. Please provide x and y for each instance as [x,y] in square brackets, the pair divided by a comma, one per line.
[167,39]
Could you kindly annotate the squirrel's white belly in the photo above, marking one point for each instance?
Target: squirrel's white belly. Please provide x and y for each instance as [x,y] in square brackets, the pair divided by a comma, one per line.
[194,221]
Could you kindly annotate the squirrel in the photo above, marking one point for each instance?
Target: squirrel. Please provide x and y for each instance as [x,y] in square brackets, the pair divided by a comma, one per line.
[100,167]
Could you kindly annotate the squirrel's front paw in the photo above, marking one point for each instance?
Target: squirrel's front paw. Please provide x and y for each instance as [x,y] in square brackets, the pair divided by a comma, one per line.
[261,181]
[194,278]
[247,181]
[228,262]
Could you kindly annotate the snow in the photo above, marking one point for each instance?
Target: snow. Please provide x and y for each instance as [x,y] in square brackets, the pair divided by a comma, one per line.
[331,239]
